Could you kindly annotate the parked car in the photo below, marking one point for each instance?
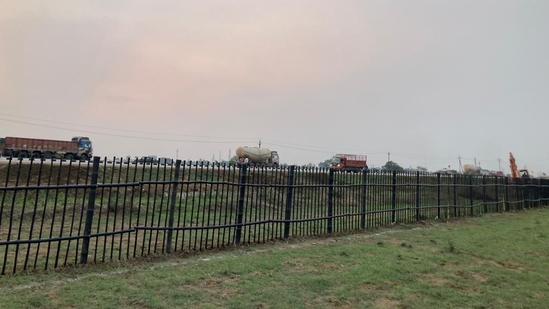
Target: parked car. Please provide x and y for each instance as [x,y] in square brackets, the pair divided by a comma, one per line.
[146,160]
[166,161]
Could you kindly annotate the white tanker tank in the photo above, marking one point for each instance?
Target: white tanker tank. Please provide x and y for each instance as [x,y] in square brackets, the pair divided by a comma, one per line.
[256,155]
[471,169]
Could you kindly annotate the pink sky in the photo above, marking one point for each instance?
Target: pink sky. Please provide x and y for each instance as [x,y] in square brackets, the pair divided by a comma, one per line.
[427,80]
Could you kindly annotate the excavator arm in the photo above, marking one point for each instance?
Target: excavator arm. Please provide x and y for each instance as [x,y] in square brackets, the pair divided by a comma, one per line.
[516,174]
[513,166]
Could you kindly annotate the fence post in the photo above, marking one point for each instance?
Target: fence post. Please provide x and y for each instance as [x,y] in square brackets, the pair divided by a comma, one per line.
[173,197]
[241,196]
[497,193]
[538,198]
[471,194]
[543,193]
[330,201]
[393,198]
[522,189]
[288,214]
[417,196]
[364,198]
[89,212]
[484,206]
[455,195]
[438,195]
[521,193]
[506,194]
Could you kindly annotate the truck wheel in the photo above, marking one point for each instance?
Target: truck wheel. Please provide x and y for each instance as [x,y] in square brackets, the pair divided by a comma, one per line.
[69,157]
[35,155]
[22,155]
[84,157]
[48,155]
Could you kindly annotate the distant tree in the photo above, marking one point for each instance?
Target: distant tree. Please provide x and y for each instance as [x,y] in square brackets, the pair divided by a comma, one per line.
[421,169]
[392,166]
[324,164]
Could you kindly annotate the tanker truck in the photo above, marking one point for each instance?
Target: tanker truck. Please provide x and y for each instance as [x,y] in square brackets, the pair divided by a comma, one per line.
[470,169]
[79,147]
[257,156]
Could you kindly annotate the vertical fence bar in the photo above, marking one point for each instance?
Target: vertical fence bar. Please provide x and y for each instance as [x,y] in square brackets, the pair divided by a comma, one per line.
[484,205]
[506,194]
[288,212]
[455,196]
[417,196]
[497,193]
[241,198]
[542,183]
[471,194]
[438,195]
[89,212]
[523,190]
[330,201]
[364,195]
[11,217]
[173,199]
[538,191]
[393,198]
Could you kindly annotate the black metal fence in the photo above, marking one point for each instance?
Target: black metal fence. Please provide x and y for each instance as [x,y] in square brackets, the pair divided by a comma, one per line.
[58,213]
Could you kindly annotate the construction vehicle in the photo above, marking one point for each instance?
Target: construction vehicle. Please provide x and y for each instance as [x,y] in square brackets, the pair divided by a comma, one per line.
[79,148]
[255,156]
[471,169]
[517,175]
[348,162]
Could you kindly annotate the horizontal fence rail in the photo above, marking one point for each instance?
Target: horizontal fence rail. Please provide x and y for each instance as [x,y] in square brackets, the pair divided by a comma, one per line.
[57,213]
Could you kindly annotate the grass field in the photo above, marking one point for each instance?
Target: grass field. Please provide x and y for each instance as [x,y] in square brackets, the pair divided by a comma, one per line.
[493,261]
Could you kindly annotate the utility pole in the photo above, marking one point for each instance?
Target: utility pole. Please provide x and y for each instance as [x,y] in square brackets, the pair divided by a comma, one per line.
[259,143]
[388,156]
[177,154]
[460,167]
[499,162]
[475,161]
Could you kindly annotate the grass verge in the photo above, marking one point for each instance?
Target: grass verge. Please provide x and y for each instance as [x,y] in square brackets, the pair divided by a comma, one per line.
[493,261]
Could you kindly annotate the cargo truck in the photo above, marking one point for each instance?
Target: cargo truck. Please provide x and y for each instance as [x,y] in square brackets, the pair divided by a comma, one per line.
[257,156]
[348,163]
[79,148]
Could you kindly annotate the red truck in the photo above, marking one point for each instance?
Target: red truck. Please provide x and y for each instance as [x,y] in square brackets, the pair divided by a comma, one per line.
[348,163]
[79,148]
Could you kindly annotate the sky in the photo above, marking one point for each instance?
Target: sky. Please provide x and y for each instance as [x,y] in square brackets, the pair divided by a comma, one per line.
[420,83]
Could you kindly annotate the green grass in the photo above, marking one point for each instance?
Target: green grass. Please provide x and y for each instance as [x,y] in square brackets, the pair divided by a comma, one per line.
[493,261]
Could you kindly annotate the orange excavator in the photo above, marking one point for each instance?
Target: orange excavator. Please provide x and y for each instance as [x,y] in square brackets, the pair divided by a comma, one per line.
[516,174]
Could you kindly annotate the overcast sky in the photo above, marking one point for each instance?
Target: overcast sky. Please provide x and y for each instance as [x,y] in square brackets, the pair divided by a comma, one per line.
[427,81]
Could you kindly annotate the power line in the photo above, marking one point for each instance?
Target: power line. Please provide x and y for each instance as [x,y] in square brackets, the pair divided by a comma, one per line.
[318,147]
[282,144]
[127,136]
[113,129]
